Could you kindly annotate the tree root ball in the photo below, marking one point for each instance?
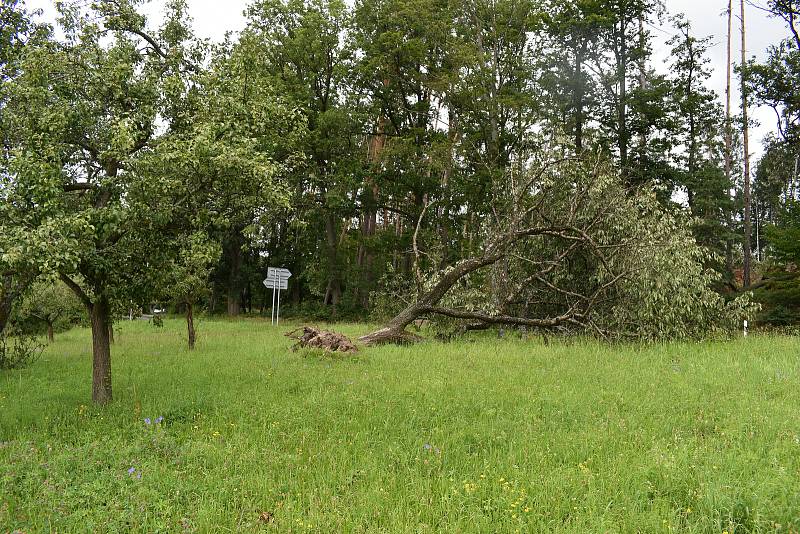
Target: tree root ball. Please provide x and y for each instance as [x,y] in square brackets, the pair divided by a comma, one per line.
[310,337]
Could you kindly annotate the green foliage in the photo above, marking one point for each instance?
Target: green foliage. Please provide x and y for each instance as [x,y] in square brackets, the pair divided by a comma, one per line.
[188,274]
[459,437]
[18,350]
[639,272]
[53,305]
[784,237]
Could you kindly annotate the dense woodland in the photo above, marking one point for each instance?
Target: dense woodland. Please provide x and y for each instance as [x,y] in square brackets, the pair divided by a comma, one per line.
[471,162]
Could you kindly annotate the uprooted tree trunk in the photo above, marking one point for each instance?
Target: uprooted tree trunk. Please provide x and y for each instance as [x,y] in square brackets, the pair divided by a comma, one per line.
[395,330]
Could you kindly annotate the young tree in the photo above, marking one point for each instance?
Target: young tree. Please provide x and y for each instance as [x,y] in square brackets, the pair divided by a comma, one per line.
[52,303]
[697,125]
[188,278]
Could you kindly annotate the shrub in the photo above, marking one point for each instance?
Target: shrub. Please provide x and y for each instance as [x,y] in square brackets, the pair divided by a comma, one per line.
[18,351]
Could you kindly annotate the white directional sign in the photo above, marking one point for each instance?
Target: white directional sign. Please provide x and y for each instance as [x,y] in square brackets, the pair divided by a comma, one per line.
[277,279]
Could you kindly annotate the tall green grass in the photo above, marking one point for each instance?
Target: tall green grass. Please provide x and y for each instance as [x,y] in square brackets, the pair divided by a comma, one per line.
[475,436]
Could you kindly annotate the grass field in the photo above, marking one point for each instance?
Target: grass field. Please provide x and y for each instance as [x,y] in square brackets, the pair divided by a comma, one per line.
[474,436]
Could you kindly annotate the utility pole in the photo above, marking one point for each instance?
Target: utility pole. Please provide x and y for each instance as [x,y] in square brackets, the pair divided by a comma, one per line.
[748,225]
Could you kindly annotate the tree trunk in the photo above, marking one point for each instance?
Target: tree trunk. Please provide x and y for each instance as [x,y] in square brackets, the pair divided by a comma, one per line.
[110,331]
[579,95]
[234,275]
[50,336]
[334,293]
[729,139]
[101,351]
[5,309]
[748,226]
[190,324]
[395,329]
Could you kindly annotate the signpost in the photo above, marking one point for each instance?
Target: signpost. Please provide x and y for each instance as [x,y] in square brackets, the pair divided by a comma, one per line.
[277,279]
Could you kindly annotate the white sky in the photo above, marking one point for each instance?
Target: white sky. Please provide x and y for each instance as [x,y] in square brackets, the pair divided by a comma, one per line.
[213,18]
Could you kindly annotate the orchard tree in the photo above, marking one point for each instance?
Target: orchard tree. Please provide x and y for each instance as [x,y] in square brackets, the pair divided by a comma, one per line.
[107,194]
[52,303]
[188,278]
[16,272]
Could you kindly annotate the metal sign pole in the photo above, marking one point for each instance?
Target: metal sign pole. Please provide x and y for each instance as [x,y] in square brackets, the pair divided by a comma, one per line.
[278,314]
[272,310]
[278,279]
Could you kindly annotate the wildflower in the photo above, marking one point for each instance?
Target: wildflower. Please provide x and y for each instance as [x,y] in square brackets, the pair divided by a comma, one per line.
[131,470]
[527,509]
[147,420]
[159,419]
[427,446]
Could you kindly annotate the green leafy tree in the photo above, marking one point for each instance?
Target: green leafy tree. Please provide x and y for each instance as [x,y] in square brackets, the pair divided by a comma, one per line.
[109,191]
[16,272]
[188,276]
[308,56]
[52,303]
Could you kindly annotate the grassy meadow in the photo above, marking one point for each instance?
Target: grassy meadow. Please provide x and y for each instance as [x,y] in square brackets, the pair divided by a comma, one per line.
[480,435]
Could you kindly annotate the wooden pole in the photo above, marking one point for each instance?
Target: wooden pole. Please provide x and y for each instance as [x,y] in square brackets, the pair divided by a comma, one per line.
[729,136]
[748,225]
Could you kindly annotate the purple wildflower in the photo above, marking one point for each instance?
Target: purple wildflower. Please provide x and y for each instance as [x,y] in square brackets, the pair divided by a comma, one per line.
[147,420]
[131,470]
[159,419]
[427,446]
[139,476]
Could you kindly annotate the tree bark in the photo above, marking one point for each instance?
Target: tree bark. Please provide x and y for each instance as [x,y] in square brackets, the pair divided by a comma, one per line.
[579,95]
[234,275]
[50,335]
[622,105]
[101,351]
[334,293]
[6,300]
[729,137]
[748,226]
[190,325]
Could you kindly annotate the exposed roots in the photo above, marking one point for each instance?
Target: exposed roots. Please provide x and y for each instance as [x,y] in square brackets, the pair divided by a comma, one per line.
[310,337]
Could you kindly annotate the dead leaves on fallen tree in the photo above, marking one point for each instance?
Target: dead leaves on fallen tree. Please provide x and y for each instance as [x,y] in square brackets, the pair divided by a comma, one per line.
[310,337]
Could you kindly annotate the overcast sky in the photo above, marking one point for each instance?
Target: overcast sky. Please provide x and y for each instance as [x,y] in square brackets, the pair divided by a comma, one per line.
[212,18]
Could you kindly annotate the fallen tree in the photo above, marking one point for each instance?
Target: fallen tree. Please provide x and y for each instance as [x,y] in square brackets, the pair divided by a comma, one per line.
[569,248]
